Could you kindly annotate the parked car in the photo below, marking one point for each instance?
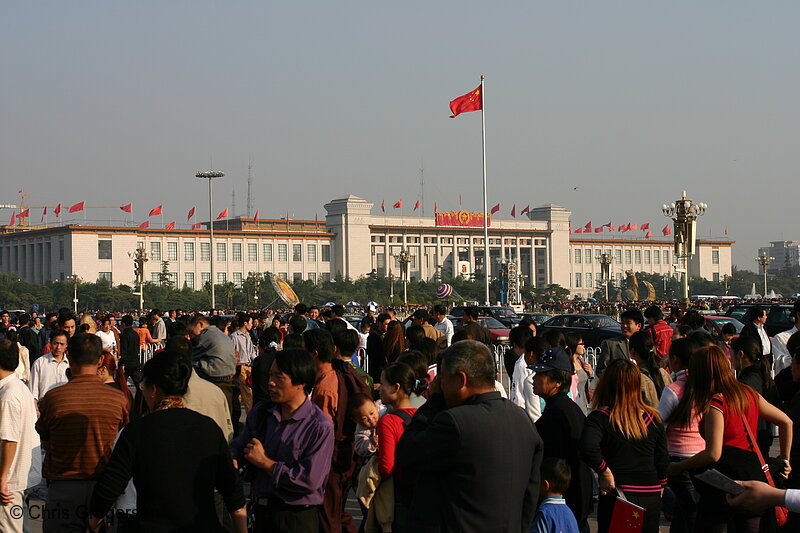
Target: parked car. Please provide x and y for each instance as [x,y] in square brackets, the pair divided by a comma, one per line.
[498,331]
[538,318]
[505,315]
[593,328]
[779,316]
[714,325]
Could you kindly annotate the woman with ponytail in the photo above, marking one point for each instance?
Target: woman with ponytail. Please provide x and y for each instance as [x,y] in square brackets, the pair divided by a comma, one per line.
[165,452]
[654,378]
[754,370]
[113,375]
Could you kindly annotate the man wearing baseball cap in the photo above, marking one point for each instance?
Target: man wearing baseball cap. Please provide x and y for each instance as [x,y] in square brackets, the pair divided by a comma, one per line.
[561,425]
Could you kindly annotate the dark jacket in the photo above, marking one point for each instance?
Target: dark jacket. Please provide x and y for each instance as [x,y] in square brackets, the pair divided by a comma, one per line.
[375,358]
[478,332]
[560,427]
[750,330]
[129,348]
[610,350]
[30,339]
[474,467]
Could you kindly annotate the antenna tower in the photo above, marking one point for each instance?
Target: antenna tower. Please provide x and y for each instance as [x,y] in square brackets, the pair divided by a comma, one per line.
[250,189]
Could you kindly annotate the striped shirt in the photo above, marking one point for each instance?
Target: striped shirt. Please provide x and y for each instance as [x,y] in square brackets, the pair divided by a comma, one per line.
[78,424]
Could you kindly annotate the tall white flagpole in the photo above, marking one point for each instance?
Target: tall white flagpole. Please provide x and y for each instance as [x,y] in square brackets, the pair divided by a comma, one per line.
[486,262]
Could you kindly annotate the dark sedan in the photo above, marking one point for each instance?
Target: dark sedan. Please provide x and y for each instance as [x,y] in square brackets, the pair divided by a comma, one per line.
[594,329]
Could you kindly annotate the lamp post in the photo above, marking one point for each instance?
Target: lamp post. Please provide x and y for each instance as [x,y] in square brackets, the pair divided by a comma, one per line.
[210,175]
[684,215]
[605,269]
[764,260]
[404,258]
[75,293]
[139,259]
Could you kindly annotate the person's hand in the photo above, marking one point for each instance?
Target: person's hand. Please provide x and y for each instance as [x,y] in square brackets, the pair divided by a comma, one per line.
[374,438]
[587,368]
[606,481]
[756,497]
[95,523]
[255,454]
[5,494]
[787,469]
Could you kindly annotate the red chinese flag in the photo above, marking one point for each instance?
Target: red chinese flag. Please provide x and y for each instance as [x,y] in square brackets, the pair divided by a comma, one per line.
[626,517]
[383,206]
[416,205]
[472,101]
[145,224]
[625,228]
[75,208]
[127,208]
[588,227]
[13,219]
[495,209]
[398,204]
[726,230]
[631,227]
[224,213]
[579,230]
[197,226]
[24,214]
[611,228]
[190,215]
[171,225]
[255,218]
[514,210]
[526,210]
[155,211]
[44,213]
[645,226]
[57,210]
[667,230]
[599,229]
[648,235]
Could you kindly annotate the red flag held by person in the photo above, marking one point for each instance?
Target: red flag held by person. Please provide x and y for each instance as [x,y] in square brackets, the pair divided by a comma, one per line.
[77,207]
[171,225]
[224,213]
[197,226]
[526,210]
[514,210]
[191,214]
[626,517]
[648,235]
[667,230]
[145,224]
[645,226]
[127,208]
[416,205]
[24,214]
[155,211]
[57,210]
[495,209]
[398,204]
[472,101]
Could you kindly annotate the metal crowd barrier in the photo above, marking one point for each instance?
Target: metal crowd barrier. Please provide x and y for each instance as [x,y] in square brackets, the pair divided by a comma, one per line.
[146,353]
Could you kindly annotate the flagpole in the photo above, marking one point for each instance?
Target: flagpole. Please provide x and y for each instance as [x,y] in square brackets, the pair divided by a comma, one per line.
[485,199]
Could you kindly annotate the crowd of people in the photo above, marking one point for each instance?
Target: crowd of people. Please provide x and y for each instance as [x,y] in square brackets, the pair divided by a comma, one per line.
[254,422]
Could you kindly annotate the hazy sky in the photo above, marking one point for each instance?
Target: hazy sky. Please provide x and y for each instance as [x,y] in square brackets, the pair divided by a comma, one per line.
[631,102]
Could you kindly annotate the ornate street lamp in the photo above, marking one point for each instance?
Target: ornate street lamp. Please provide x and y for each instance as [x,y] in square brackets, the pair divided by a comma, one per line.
[684,215]
[404,258]
[210,175]
[605,269]
[764,260]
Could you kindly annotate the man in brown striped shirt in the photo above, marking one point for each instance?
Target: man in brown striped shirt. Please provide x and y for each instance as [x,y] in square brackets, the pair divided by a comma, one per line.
[78,424]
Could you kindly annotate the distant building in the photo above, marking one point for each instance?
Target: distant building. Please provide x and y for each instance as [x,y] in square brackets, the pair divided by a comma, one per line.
[353,242]
[785,253]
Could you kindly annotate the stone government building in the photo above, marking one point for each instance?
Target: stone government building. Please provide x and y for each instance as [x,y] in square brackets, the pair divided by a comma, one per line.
[354,242]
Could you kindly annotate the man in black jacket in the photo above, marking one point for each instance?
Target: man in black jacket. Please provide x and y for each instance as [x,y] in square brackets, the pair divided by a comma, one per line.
[560,427]
[129,350]
[755,330]
[29,338]
[471,457]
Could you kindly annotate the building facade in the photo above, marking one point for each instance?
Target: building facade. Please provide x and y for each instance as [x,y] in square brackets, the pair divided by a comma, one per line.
[353,242]
[785,254]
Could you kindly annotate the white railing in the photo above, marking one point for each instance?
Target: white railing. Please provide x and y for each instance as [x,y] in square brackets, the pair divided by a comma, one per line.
[146,353]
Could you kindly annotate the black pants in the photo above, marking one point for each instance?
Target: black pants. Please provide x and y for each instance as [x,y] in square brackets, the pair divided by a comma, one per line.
[687,498]
[285,519]
[651,501]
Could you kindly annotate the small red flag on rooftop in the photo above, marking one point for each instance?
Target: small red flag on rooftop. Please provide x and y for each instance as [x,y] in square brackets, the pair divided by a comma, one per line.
[255,217]
[24,214]
[191,214]
[127,208]
[398,204]
[13,219]
[197,226]
[156,211]
[645,226]
[145,224]
[383,206]
[472,101]
[57,210]
[224,213]
[75,208]
[416,205]
[495,209]
[171,225]
[667,230]
[514,210]
[648,235]
[526,210]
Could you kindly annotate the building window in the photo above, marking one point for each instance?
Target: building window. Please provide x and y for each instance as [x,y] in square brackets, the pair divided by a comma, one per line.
[105,276]
[311,253]
[205,278]
[237,279]
[380,261]
[312,277]
[236,251]
[647,257]
[155,251]
[284,275]
[188,251]
[638,257]
[325,276]
[267,252]
[578,256]
[656,257]
[155,277]
[618,257]
[588,257]
[283,253]
[666,257]
[578,280]
[627,257]
[205,251]
[715,275]
[172,251]
[222,252]
[297,252]
[222,277]
[104,249]
[252,252]
[61,250]
[714,257]
[188,280]
[297,276]
[326,253]
[589,280]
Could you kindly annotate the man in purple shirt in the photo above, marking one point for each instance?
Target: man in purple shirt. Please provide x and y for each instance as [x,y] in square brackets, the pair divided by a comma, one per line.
[287,448]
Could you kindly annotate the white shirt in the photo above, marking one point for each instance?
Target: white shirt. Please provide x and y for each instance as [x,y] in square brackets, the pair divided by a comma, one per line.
[446,327]
[521,393]
[109,340]
[765,344]
[782,357]
[46,374]
[17,424]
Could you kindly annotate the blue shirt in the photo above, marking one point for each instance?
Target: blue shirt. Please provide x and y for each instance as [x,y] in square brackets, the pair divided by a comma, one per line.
[554,516]
[301,446]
